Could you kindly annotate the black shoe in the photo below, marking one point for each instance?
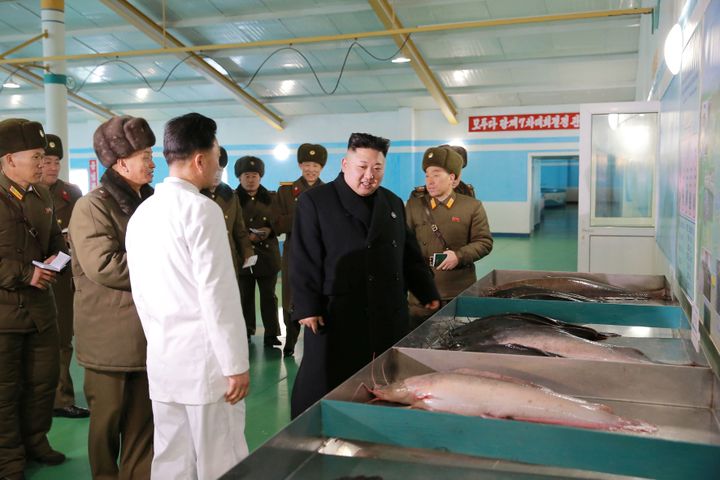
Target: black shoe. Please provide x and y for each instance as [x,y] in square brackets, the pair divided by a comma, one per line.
[73,411]
[53,457]
[272,342]
[288,353]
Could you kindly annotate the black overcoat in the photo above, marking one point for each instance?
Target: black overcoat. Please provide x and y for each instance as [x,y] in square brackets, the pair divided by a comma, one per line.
[352,263]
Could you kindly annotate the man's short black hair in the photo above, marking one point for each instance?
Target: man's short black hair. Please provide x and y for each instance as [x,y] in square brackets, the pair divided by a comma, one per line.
[365,140]
[186,135]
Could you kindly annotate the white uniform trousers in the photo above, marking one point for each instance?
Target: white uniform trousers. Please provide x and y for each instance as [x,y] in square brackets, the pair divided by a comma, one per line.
[198,442]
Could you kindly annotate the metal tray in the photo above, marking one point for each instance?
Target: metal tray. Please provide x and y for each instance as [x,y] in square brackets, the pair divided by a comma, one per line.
[632,282]
[681,401]
[342,436]
[661,332]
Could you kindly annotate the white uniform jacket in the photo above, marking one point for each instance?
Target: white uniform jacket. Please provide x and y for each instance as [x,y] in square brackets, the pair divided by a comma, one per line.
[187,296]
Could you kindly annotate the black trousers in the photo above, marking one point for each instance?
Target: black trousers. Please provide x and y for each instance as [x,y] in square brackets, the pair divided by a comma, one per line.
[268,303]
[28,378]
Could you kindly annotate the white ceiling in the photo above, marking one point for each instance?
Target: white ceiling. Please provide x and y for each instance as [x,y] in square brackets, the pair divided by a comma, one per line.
[548,63]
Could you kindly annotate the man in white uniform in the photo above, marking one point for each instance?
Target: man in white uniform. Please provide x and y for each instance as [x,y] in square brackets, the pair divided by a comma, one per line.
[184,287]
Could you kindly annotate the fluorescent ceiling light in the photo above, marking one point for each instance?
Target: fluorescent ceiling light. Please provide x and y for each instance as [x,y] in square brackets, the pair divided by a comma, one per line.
[10,84]
[216,66]
[400,60]
[456,142]
[287,86]
[281,152]
[142,93]
[673,49]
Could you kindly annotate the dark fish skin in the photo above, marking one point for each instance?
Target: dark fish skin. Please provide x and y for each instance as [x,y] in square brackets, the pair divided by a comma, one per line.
[509,349]
[509,320]
[535,293]
[572,289]
[538,335]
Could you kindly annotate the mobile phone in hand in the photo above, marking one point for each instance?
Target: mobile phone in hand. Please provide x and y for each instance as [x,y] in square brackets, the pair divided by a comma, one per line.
[437,258]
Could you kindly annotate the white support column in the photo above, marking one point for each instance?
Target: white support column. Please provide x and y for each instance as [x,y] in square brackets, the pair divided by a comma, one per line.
[52,14]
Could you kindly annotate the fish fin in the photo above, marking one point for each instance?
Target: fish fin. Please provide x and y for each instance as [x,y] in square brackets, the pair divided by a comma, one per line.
[622,424]
[531,350]
[630,351]
[633,425]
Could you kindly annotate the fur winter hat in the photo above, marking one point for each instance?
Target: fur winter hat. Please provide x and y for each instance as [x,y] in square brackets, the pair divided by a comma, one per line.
[54,146]
[120,137]
[459,150]
[19,134]
[308,152]
[249,164]
[443,157]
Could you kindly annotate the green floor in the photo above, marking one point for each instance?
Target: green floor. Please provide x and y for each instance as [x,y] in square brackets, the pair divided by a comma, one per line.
[553,246]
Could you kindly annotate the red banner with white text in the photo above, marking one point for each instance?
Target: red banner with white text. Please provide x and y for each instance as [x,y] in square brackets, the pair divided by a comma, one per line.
[536,122]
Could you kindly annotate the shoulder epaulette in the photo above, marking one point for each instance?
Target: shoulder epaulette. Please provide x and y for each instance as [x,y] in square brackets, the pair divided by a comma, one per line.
[286,184]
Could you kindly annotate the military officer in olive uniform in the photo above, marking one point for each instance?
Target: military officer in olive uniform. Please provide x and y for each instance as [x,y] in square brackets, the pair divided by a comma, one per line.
[257,210]
[311,160]
[29,354]
[450,223]
[458,185]
[240,245]
[64,196]
[109,339]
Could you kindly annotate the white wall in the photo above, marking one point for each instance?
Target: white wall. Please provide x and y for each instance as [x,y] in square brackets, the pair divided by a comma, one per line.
[497,162]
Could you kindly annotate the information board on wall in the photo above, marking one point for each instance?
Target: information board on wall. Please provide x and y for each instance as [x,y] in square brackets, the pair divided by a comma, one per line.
[688,175]
[708,232]
[667,172]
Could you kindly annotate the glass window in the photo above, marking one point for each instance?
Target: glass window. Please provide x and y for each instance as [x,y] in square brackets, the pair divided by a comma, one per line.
[623,166]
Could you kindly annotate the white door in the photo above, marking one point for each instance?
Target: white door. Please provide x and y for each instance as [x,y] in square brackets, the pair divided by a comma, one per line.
[616,208]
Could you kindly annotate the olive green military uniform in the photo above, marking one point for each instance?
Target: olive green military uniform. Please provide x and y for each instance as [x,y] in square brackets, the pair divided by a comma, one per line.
[287,197]
[462,188]
[458,223]
[109,339]
[257,211]
[28,325]
[64,196]
[240,245]
[463,224]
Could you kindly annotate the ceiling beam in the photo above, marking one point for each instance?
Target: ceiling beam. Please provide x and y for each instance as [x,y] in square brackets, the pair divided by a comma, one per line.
[73,98]
[272,15]
[475,63]
[416,93]
[472,90]
[147,26]
[388,18]
[329,38]
[488,33]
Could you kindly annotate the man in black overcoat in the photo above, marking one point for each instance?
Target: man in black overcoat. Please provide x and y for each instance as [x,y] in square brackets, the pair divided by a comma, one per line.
[352,263]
